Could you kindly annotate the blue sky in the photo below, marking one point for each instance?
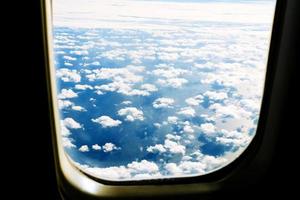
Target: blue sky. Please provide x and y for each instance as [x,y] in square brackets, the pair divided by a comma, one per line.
[144,97]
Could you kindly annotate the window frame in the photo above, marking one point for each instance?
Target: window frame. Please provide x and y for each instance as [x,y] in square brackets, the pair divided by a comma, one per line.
[78,185]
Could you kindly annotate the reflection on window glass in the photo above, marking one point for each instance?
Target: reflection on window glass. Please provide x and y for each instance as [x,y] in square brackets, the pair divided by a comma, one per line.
[158,89]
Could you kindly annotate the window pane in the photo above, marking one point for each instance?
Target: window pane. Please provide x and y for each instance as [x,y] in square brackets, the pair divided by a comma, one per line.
[158,89]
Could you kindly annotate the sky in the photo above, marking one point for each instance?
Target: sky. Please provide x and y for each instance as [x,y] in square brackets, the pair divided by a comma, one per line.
[159,89]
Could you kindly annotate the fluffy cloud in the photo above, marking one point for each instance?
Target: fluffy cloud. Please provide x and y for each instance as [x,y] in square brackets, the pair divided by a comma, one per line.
[187,111]
[84,148]
[216,95]
[116,74]
[208,128]
[174,147]
[235,138]
[194,101]
[168,56]
[78,108]
[62,104]
[69,58]
[79,53]
[172,82]
[188,128]
[126,102]
[108,147]
[65,125]
[169,72]
[143,167]
[201,165]
[123,88]
[83,87]
[68,75]
[96,147]
[67,94]
[71,123]
[156,148]
[169,146]
[172,119]
[135,170]
[149,87]
[106,121]
[64,131]
[173,137]
[131,114]
[171,76]
[163,103]
[230,110]
[67,142]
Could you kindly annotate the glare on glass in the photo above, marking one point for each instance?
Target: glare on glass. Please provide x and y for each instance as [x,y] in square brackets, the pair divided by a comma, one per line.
[162,88]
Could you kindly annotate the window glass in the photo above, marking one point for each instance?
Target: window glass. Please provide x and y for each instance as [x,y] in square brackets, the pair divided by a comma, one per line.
[158,89]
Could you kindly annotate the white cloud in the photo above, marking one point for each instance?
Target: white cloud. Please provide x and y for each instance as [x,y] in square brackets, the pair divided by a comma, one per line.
[174,147]
[187,111]
[64,131]
[108,147]
[216,95]
[96,63]
[135,170]
[143,167]
[163,103]
[208,128]
[149,87]
[229,110]
[173,169]
[156,148]
[116,74]
[203,164]
[62,104]
[96,147]
[115,54]
[67,94]
[135,92]
[78,108]
[68,75]
[84,148]
[170,75]
[188,129]
[69,58]
[194,101]
[79,52]
[131,114]
[134,68]
[190,167]
[172,119]
[68,64]
[172,82]
[83,87]
[126,102]
[173,137]
[67,142]
[106,121]
[123,88]
[235,138]
[71,123]
[171,145]
[157,125]
[168,56]
[168,71]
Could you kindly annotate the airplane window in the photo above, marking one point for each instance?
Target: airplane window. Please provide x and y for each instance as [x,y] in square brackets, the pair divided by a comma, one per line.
[159,89]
